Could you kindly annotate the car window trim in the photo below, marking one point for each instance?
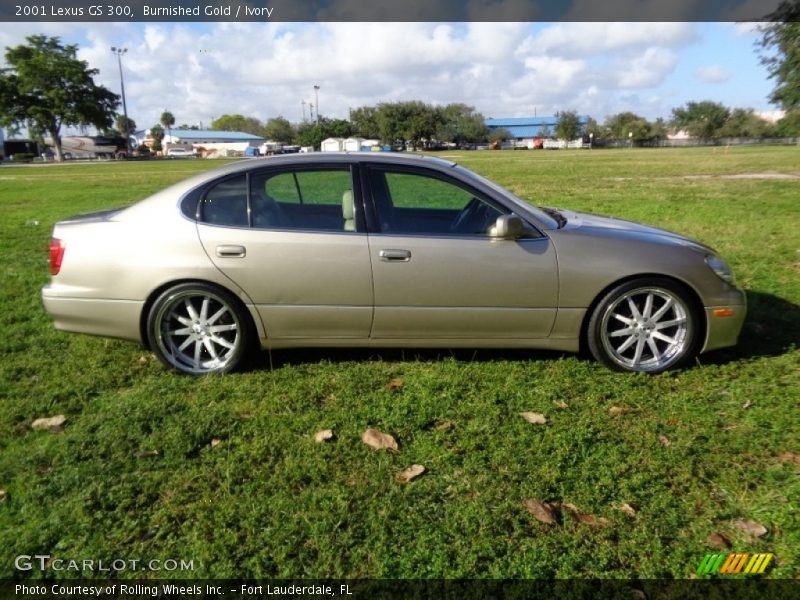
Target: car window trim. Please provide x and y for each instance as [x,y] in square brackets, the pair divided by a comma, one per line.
[349,167]
[374,227]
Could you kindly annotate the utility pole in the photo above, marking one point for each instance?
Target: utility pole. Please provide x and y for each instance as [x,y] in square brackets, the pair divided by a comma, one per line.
[119,52]
[316,99]
[303,102]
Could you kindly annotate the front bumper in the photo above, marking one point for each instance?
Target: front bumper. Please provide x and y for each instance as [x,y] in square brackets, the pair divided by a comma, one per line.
[724,322]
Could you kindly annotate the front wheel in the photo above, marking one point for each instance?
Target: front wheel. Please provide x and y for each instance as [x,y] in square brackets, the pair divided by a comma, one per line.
[198,329]
[646,325]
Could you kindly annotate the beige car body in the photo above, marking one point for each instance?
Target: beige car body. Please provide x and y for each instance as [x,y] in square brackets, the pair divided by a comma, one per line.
[323,288]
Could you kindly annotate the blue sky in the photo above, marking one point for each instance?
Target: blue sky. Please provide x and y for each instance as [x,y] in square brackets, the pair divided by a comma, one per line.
[201,71]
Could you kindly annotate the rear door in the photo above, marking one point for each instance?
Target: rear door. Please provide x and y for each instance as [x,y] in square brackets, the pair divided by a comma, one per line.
[293,240]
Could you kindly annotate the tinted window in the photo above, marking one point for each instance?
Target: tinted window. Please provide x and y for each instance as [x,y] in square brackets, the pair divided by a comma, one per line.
[303,199]
[226,203]
[417,204]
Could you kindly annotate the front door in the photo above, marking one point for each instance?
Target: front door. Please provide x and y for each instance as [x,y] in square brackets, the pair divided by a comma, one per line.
[439,275]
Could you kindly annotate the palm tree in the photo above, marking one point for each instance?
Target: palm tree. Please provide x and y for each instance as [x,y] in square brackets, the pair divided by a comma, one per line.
[168,120]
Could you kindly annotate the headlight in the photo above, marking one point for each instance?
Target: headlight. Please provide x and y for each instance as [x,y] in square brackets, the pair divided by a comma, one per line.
[720,267]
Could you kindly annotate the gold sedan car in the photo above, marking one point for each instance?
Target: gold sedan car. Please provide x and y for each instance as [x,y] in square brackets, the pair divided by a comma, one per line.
[374,249]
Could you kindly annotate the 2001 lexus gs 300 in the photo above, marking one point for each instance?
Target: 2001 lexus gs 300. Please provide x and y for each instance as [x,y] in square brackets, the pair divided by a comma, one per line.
[383,250]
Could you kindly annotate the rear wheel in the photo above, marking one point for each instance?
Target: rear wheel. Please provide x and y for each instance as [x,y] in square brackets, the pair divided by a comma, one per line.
[198,329]
[646,325]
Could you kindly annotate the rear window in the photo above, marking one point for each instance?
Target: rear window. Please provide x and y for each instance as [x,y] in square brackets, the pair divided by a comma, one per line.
[226,203]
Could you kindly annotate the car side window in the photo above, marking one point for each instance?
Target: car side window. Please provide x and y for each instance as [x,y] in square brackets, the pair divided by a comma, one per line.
[226,203]
[415,203]
[303,199]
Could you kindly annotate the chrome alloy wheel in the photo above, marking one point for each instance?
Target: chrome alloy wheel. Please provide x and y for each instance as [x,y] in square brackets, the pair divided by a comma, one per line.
[198,331]
[646,329]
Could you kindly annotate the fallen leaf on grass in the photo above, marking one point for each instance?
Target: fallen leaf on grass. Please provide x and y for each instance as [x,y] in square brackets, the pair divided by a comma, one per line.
[534,418]
[749,527]
[719,540]
[747,405]
[628,509]
[561,404]
[410,473]
[395,384]
[542,511]
[443,425]
[147,454]
[615,411]
[379,440]
[3,495]
[323,435]
[142,360]
[215,442]
[664,441]
[54,424]
[789,457]
[584,518]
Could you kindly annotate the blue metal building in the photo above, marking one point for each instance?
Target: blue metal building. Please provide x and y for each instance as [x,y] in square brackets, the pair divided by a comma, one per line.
[529,127]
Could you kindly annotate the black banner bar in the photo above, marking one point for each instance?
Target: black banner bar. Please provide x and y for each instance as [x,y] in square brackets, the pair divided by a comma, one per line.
[383,10]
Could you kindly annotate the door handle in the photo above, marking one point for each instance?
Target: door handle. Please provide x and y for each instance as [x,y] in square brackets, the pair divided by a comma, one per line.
[395,255]
[231,251]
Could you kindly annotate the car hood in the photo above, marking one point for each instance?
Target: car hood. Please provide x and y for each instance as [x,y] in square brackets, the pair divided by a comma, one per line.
[596,224]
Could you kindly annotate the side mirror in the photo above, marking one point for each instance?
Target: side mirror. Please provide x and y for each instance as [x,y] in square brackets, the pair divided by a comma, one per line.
[507,227]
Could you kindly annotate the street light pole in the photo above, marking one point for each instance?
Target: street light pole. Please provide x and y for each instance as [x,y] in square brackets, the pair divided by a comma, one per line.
[119,52]
[316,99]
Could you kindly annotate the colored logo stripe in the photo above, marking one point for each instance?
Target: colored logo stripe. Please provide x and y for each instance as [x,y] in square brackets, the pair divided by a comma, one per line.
[735,562]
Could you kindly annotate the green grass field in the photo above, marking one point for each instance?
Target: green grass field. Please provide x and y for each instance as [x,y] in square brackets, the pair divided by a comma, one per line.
[224,471]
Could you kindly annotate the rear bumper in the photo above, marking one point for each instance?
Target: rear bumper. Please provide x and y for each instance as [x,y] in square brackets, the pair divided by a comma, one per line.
[110,318]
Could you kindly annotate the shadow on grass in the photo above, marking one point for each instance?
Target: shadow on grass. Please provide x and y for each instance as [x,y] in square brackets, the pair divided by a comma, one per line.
[298,356]
[772,328]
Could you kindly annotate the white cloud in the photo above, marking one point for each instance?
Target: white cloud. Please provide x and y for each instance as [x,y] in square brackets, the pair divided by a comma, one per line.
[712,74]
[263,70]
[645,70]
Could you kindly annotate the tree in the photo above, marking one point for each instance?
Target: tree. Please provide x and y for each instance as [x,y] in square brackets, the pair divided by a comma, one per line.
[45,87]
[157,133]
[780,43]
[365,121]
[569,126]
[167,120]
[460,123]
[125,125]
[744,122]
[622,125]
[279,130]
[238,123]
[499,134]
[789,126]
[702,120]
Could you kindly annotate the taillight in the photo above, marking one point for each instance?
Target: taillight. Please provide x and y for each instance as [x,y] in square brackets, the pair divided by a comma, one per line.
[56,255]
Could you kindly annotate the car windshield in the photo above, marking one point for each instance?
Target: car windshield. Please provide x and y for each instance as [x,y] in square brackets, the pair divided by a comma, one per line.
[548,221]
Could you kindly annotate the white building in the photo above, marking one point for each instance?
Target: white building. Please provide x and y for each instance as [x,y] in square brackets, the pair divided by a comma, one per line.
[332,145]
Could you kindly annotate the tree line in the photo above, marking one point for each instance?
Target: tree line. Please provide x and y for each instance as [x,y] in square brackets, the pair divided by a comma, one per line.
[45,87]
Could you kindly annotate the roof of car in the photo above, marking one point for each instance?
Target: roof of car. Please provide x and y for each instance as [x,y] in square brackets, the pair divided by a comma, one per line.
[332,158]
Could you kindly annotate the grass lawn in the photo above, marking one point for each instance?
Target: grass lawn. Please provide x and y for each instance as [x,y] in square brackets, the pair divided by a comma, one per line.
[224,471]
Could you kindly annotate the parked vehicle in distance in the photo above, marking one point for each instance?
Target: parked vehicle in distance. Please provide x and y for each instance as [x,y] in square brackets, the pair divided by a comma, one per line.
[180,152]
[99,146]
[374,249]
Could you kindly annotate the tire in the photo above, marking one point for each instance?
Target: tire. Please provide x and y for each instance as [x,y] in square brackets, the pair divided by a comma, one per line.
[647,325]
[199,329]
